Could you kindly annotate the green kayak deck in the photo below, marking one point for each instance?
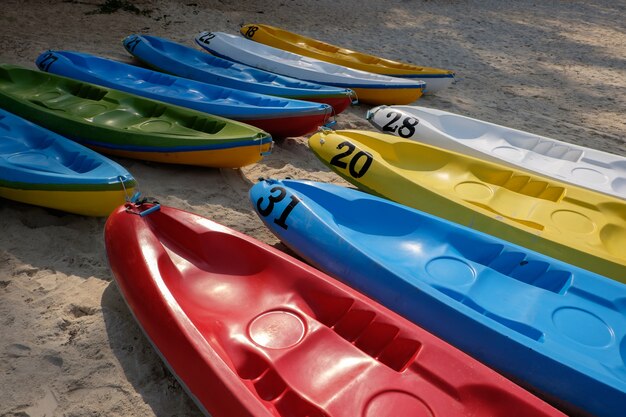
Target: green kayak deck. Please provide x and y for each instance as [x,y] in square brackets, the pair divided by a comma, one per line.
[126,125]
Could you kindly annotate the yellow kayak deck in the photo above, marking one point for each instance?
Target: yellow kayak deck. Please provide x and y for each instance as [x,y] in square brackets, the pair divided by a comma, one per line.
[566,222]
[292,42]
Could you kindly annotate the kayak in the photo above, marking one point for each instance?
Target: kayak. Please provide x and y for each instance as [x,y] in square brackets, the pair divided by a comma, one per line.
[45,169]
[122,124]
[278,116]
[369,87]
[174,58]
[251,331]
[596,170]
[573,224]
[555,329]
[436,78]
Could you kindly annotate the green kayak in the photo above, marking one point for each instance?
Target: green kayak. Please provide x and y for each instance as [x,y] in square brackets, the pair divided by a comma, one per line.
[122,124]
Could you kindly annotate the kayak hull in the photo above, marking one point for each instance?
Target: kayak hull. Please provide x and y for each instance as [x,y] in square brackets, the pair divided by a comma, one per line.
[180,60]
[278,116]
[436,79]
[290,126]
[213,158]
[369,87]
[42,168]
[85,203]
[378,96]
[555,329]
[250,331]
[577,165]
[569,223]
[125,124]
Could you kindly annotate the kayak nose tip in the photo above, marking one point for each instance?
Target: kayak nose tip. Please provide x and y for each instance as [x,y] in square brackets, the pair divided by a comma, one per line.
[269,181]
[371,112]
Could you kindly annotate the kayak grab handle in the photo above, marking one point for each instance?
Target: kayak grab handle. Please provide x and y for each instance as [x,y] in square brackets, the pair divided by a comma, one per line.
[135,208]
[354,99]
[371,112]
[267,152]
[135,197]
[133,205]
[268,180]
[328,126]
[152,209]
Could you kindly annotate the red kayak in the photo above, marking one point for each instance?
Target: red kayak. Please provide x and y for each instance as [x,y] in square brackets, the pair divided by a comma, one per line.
[251,331]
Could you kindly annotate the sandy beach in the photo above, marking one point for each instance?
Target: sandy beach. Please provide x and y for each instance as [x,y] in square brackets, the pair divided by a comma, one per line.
[68,344]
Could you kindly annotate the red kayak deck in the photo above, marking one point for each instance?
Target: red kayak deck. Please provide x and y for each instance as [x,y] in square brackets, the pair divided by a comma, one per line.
[251,331]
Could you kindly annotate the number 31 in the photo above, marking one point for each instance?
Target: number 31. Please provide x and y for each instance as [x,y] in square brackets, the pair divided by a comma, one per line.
[271,199]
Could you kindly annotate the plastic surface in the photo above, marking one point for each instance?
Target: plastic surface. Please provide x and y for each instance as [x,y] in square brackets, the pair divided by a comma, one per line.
[123,124]
[578,165]
[42,168]
[566,222]
[435,78]
[181,60]
[250,331]
[278,116]
[370,88]
[554,328]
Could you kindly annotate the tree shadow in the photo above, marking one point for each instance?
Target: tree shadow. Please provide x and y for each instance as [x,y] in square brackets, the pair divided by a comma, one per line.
[527,74]
[46,239]
[142,366]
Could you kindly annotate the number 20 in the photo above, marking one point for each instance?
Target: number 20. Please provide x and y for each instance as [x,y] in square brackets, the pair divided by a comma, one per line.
[352,169]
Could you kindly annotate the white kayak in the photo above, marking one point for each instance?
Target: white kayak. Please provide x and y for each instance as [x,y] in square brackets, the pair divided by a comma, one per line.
[578,165]
[370,88]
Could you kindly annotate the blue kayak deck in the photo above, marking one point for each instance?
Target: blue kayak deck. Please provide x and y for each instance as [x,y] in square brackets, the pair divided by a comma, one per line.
[187,62]
[213,99]
[550,326]
[30,154]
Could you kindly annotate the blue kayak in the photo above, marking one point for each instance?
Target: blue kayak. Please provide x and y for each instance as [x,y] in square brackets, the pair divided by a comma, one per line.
[278,116]
[174,58]
[555,329]
[43,168]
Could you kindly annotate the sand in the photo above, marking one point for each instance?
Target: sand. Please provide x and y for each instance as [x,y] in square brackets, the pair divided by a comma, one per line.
[68,344]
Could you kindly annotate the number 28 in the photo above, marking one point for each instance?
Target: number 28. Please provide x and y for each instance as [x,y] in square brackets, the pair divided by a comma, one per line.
[406,130]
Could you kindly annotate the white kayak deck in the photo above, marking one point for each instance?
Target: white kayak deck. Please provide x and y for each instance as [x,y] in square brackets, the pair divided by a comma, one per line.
[593,169]
[268,58]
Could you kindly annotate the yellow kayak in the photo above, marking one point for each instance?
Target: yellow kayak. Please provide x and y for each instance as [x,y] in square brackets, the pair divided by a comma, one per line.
[435,78]
[573,224]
